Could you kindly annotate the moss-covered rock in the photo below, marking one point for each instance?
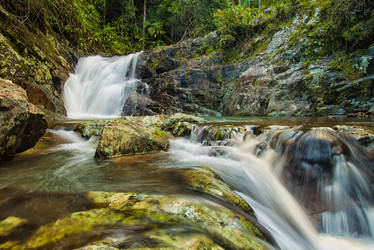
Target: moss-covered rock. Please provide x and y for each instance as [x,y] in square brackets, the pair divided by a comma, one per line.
[136,220]
[123,138]
[231,229]
[77,223]
[10,224]
[21,123]
[204,180]
[181,124]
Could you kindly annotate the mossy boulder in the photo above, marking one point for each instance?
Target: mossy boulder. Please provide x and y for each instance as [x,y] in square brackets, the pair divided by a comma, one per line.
[181,124]
[21,123]
[124,138]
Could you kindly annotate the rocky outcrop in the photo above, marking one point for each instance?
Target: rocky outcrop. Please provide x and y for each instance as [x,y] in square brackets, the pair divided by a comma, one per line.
[276,78]
[182,79]
[21,123]
[34,58]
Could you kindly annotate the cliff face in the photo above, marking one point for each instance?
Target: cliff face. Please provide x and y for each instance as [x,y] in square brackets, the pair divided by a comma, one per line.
[284,72]
[35,58]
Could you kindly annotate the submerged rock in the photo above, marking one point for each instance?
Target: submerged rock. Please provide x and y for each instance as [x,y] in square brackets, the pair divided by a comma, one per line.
[216,225]
[78,223]
[204,180]
[137,220]
[21,123]
[10,225]
[123,138]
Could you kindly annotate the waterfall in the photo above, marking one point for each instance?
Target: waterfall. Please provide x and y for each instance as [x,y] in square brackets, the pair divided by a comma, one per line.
[100,86]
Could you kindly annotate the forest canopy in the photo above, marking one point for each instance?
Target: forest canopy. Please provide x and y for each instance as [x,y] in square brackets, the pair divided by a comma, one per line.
[124,26]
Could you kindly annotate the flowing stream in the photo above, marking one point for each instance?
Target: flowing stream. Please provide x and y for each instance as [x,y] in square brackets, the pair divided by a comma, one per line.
[310,188]
[57,173]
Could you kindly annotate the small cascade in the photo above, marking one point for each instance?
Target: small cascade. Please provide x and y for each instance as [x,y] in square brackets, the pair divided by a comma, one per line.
[310,189]
[100,87]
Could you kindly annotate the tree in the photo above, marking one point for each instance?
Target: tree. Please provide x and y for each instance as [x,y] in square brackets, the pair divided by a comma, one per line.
[144,20]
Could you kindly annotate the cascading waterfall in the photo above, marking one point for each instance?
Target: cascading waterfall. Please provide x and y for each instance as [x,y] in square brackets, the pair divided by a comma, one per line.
[100,86]
[349,225]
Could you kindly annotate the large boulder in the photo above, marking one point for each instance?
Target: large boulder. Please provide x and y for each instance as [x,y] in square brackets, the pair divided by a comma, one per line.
[21,123]
[123,138]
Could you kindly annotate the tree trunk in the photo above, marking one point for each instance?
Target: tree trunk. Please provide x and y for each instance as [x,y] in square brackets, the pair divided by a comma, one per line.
[144,20]
[134,14]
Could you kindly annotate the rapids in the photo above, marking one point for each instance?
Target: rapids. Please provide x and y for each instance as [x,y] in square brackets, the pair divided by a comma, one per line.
[309,189]
[257,180]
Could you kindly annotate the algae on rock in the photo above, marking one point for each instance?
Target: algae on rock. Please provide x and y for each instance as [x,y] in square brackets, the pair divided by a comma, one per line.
[128,138]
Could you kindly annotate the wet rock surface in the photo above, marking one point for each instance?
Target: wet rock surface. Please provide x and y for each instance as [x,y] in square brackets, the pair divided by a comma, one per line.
[133,135]
[129,138]
[21,123]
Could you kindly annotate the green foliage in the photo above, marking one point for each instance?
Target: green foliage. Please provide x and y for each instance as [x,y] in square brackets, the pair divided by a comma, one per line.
[339,25]
[237,23]
[186,18]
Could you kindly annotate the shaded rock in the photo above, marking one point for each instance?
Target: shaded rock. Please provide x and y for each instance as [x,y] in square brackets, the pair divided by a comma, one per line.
[10,225]
[21,123]
[119,138]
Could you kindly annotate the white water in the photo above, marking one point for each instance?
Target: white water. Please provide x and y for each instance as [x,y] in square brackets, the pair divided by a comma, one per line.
[100,86]
[255,179]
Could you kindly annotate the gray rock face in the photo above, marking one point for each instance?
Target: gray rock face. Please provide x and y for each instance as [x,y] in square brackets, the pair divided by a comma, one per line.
[277,82]
[21,123]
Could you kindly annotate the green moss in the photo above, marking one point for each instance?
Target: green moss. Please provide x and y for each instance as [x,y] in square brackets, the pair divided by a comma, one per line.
[160,133]
[215,222]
